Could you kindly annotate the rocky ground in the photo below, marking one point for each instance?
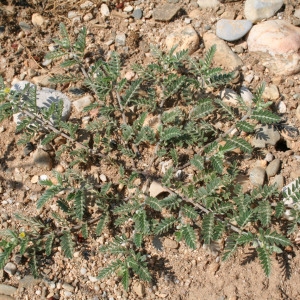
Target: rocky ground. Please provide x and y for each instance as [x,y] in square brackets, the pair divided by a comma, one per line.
[258,44]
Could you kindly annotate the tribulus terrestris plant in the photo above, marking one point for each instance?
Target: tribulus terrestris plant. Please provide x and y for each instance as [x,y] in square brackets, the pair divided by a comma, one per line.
[169,107]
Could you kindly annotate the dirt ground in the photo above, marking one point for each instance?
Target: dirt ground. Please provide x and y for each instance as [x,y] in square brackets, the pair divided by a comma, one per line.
[179,273]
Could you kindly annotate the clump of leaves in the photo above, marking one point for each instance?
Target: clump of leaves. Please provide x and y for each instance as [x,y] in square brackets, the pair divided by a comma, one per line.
[173,91]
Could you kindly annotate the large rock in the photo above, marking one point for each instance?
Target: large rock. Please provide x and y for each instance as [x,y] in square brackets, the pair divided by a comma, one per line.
[184,38]
[257,10]
[224,56]
[280,41]
[45,97]
[232,30]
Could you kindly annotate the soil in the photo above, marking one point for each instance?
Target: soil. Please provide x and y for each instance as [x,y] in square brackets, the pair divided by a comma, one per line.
[179,273]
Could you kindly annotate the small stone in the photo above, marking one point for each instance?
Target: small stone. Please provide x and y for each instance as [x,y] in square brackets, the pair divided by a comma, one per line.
[269,157]
[156,188]
[169,243]
[88,17]
[165,12]
[60,169]
[297,13]
[249,77]
[83,271]
[232,30]
[278,180]
[42,159]
[25,27]
[68,294]
[173,1]
[37,20]
[257,10]
[34,179]
[139,289]
[73,14]
[28,281]
[271,92]
[137,14]
[104,10]
[281,107]
[68,287]
[257,176]
[7,289]
[120,39]
[129,75]
[87,5]
[128,8]
[273,167]
[103,178]
[298,112]
[10,268]
[93,279]
[185,38]
[264,135]
[229,96]
[81,103]
[208,3]
[44,177]
[246,95]
[28,149]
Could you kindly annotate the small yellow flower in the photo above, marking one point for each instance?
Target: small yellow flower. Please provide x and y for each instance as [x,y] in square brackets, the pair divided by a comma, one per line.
[6,90]
[22,235]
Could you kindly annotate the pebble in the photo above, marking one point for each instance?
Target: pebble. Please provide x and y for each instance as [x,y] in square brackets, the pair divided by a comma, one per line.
[28,281]
[257,10]
[83,271]
[88,17]
[139,289]
[257,176]
[281,107]
[81,103]
[232,30]
[298,112]
[169,243]
[266,134]
[68,294]
[93,279]
[68,287]
[208,3]
[25,27]
[280,41]
[156,188]
[297,13]
[7,289]
[37,19]
[34,179]
[269,157]
[229,96]
[224,56]
[185,38]
[246,95]
[104,10]
[137,14]
[10,268]
[128,8]
[271,92]
[73,14]
[165,12]
[120,39]
[273,167]
[87,5]
[45,96]
[278,179]
[42,159]
[103,178]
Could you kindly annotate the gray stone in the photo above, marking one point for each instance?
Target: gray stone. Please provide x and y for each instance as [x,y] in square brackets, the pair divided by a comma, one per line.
[246,95]
[25,27]
[28,281]
[257,176]
[278,180]
[2,29]
[45,97]
[266,134]
[42,159]
[10,268]
[165,12]
[278,44]
[208,3]
[232,30]
[120,39]
[273,167]
[7,289]
[81,103]
[224,56]
[229,96]
[137,14]
[173,1]
[185,38]
[257,10]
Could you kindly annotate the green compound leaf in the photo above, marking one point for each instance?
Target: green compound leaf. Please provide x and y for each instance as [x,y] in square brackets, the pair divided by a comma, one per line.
[165,225]
[154,203]
[79,202]
[101,224]
[264,259]
[189,236]
[67,244]
[49,243]
[265,117]
[113,267]
[208,225]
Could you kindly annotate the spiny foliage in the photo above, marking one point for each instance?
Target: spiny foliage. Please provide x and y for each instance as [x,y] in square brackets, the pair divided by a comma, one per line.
[171,112]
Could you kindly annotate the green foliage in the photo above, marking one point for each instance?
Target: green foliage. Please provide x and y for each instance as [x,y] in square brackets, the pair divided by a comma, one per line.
[164,114]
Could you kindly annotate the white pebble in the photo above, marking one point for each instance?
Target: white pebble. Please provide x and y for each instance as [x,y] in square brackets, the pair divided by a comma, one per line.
[281,107]
[88,17]
[128,8]
[103,178]
[187,20]
[72,14]
[93,279]
[269,157]
[38,292]
[43,177]
[104,10]
[83,271]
